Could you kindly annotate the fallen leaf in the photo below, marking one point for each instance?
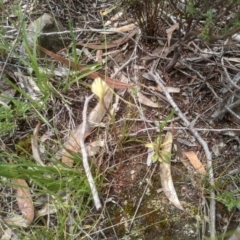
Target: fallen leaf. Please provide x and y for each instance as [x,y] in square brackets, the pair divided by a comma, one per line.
[99,56]
[179,154]
[111,82]
[170,31]
[94,147]
[195,162]
[146,101]
[24,200]
[16,220]
[165,174]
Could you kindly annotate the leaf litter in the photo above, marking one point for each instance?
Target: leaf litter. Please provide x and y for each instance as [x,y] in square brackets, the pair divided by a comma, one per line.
[96,116]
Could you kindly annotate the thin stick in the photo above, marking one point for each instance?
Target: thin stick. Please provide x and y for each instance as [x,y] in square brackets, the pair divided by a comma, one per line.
[90,179]
[212,214]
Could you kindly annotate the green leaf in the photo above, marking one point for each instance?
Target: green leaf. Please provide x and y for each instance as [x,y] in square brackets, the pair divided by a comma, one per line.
[166,156]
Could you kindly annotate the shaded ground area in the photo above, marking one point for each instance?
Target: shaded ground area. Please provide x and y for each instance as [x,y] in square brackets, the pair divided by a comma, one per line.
[135,206]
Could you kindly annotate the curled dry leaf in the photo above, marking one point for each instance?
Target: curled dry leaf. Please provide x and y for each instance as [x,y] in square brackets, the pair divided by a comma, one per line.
[94,118]
[165,174]
[146,101]
[24,200]
[193,158]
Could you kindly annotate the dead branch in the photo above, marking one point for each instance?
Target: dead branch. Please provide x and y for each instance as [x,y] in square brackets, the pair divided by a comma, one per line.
[87,169]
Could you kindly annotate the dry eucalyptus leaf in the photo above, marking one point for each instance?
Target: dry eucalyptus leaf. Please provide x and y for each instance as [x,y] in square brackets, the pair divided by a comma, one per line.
[193,158]
[24,200]
[146,101]
[166,176]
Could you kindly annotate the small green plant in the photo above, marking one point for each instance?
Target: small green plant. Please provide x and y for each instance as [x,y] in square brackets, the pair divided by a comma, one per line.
[229,199]
[161,151]
[9,116]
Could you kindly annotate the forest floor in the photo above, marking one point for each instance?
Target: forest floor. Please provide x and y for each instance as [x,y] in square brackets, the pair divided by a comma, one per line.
[46,195]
